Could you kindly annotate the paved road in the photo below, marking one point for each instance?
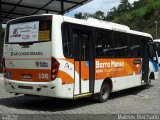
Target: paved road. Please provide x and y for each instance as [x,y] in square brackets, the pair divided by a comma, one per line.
[132,101]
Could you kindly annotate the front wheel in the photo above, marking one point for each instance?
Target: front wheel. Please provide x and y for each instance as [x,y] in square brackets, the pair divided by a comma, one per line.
[104,92]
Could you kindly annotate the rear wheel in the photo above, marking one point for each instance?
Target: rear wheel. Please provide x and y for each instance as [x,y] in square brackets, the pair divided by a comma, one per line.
[104,92]
[148,84]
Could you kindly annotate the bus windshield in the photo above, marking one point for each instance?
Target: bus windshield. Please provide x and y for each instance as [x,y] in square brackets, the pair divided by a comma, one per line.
[30,30]
[158,48]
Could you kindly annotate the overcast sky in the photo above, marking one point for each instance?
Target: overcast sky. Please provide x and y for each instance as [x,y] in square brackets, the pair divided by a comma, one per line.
[95,5]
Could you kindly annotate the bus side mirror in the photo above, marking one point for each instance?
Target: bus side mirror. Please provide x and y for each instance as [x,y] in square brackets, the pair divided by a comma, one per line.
[152,52]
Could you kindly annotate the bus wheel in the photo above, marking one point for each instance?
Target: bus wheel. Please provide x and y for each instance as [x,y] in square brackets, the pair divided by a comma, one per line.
[104,92]
[148,84]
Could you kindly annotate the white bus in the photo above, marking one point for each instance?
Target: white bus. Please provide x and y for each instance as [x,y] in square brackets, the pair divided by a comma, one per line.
[157,43]
[63,57]
[157,47]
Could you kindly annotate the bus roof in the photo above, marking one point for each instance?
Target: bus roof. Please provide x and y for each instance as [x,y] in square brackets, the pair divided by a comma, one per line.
[105,25]
[156,40]
[97,23]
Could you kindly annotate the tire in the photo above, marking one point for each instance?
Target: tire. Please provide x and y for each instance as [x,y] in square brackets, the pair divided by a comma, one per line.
[148,84]
[104,92]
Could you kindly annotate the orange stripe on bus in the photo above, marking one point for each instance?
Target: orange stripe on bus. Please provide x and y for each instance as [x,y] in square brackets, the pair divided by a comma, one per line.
[29,75]
[66,78]
[129,68]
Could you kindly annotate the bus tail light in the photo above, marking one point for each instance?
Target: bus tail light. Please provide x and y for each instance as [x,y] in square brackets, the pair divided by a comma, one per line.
[54,70]
[4,68]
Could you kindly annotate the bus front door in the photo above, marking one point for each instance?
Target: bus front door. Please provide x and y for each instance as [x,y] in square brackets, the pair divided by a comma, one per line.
[145,63]
[83,61]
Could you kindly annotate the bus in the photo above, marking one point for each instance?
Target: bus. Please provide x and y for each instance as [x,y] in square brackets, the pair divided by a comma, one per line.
[62,57]
[157,47]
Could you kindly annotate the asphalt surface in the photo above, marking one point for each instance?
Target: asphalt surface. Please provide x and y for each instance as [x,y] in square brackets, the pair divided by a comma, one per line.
[121,105]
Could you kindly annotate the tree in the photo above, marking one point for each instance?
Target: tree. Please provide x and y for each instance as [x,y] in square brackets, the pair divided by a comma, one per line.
[99,15]
[139,4]
[83,15]
[112,14]
[124,6]
[79,15]
[141,15]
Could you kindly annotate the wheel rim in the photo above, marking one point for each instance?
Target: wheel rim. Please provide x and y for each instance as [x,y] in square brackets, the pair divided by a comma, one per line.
[104,92]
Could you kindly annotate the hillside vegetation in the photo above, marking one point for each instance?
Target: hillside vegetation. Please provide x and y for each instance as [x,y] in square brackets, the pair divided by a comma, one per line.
[142,15]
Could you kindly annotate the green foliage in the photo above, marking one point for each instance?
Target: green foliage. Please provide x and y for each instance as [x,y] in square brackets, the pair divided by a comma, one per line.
[141,15]
[124,6]
[80,15]
[97,15]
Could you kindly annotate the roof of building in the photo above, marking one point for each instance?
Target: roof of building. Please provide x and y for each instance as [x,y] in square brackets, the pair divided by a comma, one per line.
[11,9]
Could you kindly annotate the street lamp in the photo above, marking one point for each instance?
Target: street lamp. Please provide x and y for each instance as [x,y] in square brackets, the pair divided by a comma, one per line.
[156,22]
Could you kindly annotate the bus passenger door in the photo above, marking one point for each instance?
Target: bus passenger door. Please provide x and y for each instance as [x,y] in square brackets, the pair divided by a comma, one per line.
[145,61]
[83,61]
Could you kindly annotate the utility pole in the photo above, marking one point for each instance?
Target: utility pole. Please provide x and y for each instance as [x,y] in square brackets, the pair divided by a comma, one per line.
[156,22]
[1,41]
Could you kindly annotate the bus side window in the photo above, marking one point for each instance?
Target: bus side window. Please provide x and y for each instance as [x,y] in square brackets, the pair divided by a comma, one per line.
[67,43]
[75,39]
[158,48]
[134,46]
[152,52]
[104,44]
[81,44]
[84,47]
[120,44]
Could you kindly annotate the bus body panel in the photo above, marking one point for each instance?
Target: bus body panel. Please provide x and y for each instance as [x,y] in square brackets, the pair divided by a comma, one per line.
[28,64]
[57,50]
[34,68]
[32,74]
[124,73]
[122,83]
[157,43]
[66,74]
[154,67]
